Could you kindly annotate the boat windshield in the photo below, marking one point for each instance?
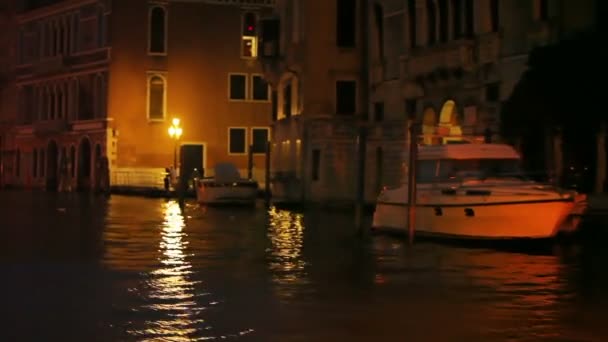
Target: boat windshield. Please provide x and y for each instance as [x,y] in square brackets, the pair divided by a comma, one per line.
[479,168]
[451,169]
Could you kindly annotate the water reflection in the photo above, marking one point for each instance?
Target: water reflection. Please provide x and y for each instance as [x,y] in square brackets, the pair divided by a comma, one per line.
[171,292]
[286,235]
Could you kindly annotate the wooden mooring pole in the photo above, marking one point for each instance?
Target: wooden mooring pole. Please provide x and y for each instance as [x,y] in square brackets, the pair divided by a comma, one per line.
[360,197]
[267,175]
[411,184]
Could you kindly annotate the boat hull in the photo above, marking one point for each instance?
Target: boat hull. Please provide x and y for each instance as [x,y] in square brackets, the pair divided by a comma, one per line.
[516,220]
[230,194]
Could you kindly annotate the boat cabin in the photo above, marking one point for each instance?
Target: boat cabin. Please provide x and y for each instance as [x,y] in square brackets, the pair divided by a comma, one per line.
[451,162]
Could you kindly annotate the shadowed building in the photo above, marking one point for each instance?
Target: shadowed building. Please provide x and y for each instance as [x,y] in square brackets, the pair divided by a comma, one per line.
[314,54]
[102,78]
[452,63]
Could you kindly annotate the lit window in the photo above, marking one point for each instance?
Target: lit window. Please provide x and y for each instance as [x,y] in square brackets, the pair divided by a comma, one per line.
[237,137]
[158,31]
[250,47]
[156,97]
[259,139]
[249,43]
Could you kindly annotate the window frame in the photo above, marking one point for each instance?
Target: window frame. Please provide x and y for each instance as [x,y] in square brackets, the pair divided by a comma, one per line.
[268,91]
[355,97]
[149,76]
[253,38]
[246,149]
[252,129]
[246,95]
[166,29]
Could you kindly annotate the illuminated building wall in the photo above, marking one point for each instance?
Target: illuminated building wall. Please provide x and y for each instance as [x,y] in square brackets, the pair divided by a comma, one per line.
[105,78]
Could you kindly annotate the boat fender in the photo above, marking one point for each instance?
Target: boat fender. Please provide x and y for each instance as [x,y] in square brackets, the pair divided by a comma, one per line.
[468,212]
[438,211]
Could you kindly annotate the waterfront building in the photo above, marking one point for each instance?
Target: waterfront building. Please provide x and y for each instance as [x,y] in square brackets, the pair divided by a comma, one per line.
[97,79]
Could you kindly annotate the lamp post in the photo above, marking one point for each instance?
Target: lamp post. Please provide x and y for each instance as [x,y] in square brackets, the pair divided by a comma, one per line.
[175,132]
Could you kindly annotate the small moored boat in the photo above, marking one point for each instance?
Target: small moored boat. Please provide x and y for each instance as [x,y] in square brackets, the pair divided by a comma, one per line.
[226,187]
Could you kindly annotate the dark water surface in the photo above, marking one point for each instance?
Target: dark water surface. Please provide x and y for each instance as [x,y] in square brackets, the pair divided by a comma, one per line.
[80,268]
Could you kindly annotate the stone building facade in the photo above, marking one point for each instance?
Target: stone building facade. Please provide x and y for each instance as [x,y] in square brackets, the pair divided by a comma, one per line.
[451,63]
[99,80]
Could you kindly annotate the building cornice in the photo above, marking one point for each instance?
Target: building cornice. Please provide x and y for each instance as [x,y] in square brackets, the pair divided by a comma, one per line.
[53,9]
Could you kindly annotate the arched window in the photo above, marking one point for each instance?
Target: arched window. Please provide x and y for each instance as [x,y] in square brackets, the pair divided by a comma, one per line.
[42,162]
[158,30]
[35,164]
[73,161]
[432,21]
[156,97]
[443,20]
[412,22]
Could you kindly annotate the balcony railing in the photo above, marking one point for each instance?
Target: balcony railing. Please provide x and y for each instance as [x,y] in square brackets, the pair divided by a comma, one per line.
[50,126]
[488,48]
[424,61]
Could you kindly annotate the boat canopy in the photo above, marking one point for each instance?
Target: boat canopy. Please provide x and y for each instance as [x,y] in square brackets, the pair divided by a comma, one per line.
[465,151]
[226,173]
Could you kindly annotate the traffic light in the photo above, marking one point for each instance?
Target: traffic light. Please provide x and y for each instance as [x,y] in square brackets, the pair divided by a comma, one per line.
[249,25]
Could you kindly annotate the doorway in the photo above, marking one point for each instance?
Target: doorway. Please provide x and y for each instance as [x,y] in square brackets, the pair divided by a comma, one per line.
[84,165]
[52,165]
[192,157]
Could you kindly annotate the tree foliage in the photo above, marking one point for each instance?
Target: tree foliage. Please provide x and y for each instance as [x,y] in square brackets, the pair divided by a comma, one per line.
[562,88]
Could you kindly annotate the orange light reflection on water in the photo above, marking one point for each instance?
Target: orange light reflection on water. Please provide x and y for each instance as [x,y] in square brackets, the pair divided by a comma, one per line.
[286,235]
[171,291]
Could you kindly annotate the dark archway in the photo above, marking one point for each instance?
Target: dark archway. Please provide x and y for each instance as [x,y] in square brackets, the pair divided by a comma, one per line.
[97,172]
[84,165]
[52,164]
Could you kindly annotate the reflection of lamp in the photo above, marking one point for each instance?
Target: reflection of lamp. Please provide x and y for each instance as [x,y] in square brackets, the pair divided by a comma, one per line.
[175,132]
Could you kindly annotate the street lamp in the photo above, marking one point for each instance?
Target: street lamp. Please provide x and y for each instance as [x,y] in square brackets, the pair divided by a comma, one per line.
[175,132]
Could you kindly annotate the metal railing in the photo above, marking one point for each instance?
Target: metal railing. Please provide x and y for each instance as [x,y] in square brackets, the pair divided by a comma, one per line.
[147,178]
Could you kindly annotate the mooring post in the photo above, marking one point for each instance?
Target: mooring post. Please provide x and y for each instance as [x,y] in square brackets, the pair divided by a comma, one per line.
[250,163]
[360,197]
[411,184]
[267,175]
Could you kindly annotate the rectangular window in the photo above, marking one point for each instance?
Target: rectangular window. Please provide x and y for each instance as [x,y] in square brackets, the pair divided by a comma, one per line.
[378,111]
[249,43]
[543,10]
[275,105]
[493,92]
[259,139]
[260,88]
[157,30]
[237,137]
[287,100]
[412,22]
[410,108]
[346,26]
[238,86]
[316,164]
[469,17]
[346,92]
[249,47]
[494,15]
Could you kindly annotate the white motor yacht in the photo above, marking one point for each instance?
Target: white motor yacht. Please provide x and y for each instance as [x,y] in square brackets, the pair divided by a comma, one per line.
[477,191]
[226,187]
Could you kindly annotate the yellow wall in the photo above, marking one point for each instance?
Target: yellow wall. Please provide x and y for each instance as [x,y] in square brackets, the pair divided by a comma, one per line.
[203,48]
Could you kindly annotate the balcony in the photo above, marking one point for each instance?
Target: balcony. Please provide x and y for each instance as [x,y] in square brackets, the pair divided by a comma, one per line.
[45,127]
[92,124]
[487,48]
[458,55]
[542,33]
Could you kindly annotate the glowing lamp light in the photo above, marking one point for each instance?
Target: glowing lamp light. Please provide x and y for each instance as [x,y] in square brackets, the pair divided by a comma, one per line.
[175,132]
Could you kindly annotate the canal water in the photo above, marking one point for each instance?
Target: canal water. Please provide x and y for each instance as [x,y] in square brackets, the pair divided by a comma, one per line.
[80,268]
